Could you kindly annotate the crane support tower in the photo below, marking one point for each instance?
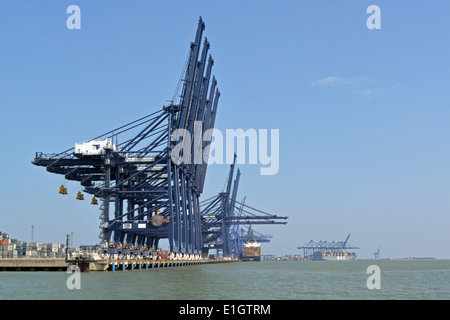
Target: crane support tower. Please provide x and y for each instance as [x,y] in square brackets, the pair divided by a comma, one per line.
[145,196]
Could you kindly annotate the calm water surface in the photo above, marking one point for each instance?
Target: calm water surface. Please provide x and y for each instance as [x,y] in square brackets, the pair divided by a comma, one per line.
[281,280]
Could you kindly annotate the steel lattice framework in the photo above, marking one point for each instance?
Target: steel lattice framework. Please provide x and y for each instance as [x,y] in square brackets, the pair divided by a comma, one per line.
[144,195]
[220,219]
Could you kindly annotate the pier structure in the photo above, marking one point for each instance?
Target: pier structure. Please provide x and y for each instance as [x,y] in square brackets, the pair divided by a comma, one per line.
[86,265]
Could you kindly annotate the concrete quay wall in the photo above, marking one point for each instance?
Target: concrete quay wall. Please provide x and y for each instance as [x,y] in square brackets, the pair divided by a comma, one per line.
[33,264]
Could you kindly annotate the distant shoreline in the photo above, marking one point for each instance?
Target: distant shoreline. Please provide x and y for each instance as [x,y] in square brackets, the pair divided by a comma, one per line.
[409,258]
[372,259]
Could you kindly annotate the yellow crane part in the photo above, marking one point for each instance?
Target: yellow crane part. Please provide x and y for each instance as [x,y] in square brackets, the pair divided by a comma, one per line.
[62,189]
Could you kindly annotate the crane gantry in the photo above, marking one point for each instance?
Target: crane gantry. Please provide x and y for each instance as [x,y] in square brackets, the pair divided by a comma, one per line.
[221,219]
[144,196]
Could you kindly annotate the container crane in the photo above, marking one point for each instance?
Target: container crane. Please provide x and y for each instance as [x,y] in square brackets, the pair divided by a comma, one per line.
[314,249]
[144,195]
[219,217]
[376,254]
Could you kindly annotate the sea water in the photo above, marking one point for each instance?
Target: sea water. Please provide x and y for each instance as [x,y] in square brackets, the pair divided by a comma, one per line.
[264,280]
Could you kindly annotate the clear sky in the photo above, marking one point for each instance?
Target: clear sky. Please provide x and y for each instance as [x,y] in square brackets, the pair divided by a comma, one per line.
[363,114]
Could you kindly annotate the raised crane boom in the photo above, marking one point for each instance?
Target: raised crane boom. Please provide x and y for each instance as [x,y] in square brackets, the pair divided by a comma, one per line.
[345,242]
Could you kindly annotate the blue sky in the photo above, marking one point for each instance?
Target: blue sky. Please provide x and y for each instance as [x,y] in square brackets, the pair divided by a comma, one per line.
[363,114]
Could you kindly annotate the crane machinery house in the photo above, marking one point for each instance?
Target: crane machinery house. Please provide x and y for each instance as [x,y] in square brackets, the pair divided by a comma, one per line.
[93,148]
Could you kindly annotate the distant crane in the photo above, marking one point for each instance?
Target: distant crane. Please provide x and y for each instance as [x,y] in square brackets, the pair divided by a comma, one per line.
[377,254]
[336,247]
[219,219]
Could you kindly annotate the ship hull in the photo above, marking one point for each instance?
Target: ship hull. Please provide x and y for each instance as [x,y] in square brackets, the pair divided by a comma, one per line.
[338,258]
[324,257]
[254,258]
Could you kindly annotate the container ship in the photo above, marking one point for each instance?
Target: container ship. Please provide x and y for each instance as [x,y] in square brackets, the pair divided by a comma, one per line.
[251,251]
[329,251]
[334,256]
